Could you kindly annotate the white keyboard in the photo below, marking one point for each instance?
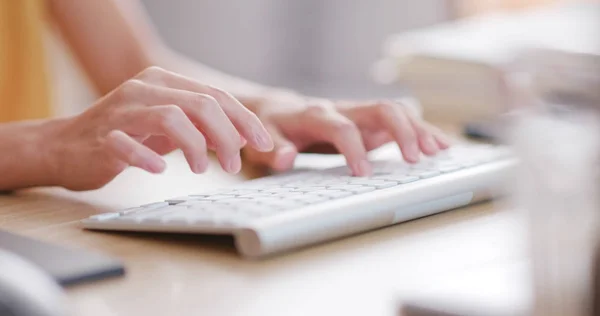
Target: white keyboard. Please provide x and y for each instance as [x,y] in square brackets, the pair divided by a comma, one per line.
[291,210]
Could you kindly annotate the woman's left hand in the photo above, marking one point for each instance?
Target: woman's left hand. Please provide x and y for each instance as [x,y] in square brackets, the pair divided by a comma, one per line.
[351,128]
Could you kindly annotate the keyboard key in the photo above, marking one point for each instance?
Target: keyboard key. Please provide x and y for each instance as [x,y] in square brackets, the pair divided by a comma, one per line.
[308,189]
[219,197]
[277,190]
[196,204]
[426,174]
[364,189]
[155,205]
[290,195]
[105,216]
[256,195]
[347,187]
[243,191]
[332,194]
[385,185]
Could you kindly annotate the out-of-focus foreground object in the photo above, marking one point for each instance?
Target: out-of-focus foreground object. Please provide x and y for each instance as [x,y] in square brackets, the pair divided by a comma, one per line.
[457,69]
[67,266]
[557,141]
[27,291]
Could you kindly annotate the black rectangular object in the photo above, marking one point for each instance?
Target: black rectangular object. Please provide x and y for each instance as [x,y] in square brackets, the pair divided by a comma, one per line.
[66,266]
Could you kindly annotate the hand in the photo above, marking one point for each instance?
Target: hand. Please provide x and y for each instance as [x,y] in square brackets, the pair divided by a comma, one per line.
[350,128]
[152,114]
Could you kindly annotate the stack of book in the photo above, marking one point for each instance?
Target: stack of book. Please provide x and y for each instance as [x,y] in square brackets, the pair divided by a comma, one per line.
[458,69]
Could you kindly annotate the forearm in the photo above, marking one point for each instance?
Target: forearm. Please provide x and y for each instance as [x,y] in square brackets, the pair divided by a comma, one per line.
[24,154]
[248,92]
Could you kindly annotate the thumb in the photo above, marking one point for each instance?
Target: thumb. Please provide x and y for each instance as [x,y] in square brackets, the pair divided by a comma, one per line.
[282,156]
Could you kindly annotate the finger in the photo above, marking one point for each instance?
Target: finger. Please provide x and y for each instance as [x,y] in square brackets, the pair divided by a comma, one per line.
[427,141]
[162,145]
[171,121]
[442,140]
[246,122]
[207,114]
[281,158]
[375,140]
[391,118]
[328,125]
[398,124]
[133,153]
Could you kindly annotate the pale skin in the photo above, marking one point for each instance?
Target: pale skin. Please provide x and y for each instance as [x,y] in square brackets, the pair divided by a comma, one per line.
[156,101]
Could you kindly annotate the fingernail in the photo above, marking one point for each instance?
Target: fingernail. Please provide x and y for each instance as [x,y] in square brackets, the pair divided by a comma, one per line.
[235,164]
[445,140]
[363,168]
[264,141]
[157,165]
[200,167]
[284,158]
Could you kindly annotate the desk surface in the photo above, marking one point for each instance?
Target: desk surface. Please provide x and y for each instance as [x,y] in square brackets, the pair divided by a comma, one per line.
[473,253]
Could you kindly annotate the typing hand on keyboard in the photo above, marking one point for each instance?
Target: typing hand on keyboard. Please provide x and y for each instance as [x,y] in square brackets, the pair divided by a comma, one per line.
[349,128]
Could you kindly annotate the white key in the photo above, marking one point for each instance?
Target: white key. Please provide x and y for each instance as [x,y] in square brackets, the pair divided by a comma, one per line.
[220,197]
[183,199]
[243,191]
[369,182]
[309,189]
[347,187]
[426,174]
[155,205]
[385,185]
[105,216]
[277,190]
[402,179]
[196,204]
[364,189]
[291,195]
[131,210]
[256,195]
[332,193]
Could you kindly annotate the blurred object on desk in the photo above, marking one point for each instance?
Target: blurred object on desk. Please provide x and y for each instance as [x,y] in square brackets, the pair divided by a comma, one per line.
[457,69]
[557,140]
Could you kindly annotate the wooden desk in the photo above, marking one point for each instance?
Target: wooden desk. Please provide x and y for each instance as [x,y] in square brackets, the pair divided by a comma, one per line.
[473,251]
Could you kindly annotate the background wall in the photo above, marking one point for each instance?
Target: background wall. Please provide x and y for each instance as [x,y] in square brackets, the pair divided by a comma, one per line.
[322,47]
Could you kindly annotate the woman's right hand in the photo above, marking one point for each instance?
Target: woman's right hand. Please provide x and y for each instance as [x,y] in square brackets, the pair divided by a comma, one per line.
[149,115]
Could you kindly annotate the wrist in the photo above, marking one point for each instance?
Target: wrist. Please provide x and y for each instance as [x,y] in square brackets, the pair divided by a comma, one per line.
[50,146]
[27,149]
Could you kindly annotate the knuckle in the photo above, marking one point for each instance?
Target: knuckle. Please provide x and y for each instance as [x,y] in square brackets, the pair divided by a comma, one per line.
[384,107]
[204,101]
[217,93]
[153,71]
[420,129]
[315,109]
[131,87]
[153,74]
[169,116]
[344,127]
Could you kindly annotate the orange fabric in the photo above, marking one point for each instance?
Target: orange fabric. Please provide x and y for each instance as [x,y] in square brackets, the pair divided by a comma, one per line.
[24,86]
